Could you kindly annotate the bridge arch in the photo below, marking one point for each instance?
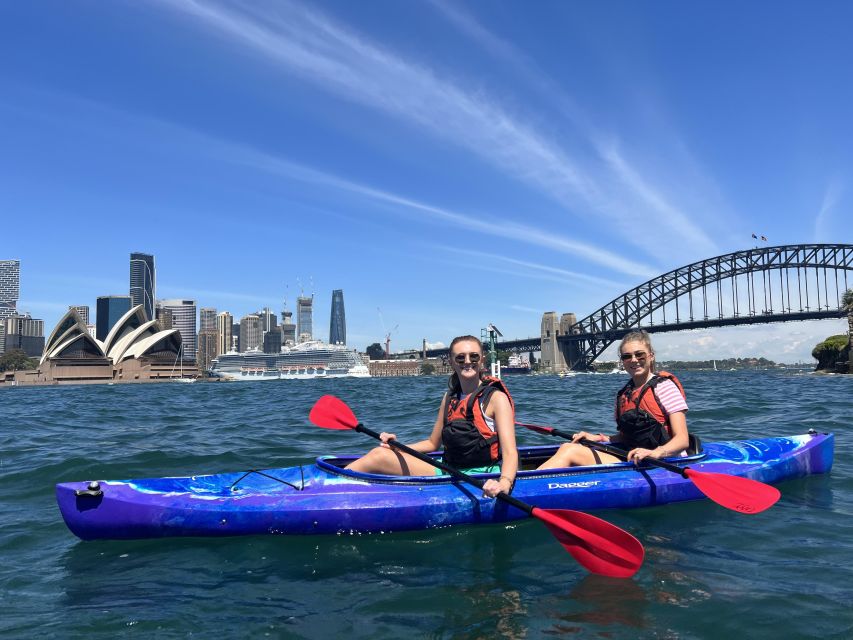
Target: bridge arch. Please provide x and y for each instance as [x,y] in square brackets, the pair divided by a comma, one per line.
[679,299]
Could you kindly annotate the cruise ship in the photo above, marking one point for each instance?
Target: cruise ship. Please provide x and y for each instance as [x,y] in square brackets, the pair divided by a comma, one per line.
[314,359]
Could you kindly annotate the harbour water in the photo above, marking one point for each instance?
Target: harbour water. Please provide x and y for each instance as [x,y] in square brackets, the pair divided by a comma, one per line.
[709,572]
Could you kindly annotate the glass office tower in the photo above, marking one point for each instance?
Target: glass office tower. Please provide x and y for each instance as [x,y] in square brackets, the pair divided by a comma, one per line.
[142,282]
[304,318]
[338,319]
[108,311]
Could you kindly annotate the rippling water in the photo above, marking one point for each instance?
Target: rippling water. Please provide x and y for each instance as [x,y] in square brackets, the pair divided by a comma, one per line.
[709,572]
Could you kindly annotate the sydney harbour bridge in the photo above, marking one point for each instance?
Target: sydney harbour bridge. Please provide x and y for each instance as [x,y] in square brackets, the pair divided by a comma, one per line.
[755,286]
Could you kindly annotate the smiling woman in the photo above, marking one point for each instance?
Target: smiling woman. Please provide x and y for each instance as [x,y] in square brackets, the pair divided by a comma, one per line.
[650,413]
[475,426]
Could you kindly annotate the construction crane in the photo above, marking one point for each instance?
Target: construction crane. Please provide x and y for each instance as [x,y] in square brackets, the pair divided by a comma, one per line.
[388,342]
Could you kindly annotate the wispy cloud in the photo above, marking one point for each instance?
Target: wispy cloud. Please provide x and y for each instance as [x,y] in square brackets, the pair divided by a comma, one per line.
[831,197]
[305,43]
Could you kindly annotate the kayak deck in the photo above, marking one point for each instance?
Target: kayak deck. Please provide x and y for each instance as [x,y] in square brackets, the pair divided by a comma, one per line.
[324,498]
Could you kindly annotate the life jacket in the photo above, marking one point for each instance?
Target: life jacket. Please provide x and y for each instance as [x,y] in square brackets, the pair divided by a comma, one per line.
[640,416]
[467,438]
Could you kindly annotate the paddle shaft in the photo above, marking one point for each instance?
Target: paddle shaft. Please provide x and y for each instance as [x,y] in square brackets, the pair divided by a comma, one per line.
[613,451]
[456,473]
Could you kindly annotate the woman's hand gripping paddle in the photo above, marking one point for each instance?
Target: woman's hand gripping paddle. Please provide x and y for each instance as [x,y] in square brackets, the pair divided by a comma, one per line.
[743,495]
[597,545]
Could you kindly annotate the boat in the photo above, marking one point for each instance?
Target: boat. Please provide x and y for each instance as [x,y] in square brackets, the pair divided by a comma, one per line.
[312,359]
[324,498]
[181,377]
[515,365]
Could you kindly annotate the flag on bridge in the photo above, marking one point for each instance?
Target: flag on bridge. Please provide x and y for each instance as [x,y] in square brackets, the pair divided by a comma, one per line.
[763,238]
[755,236]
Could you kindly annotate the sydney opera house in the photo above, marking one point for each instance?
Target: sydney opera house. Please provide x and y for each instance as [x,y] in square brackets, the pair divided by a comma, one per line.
[135,350]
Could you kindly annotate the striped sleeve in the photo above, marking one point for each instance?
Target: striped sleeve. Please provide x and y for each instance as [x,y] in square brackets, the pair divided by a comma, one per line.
[670,397]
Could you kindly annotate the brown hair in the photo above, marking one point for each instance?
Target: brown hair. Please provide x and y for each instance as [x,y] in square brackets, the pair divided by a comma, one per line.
[453,381]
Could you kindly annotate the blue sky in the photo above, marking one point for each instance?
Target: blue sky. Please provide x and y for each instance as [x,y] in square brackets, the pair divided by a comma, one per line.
[448,163]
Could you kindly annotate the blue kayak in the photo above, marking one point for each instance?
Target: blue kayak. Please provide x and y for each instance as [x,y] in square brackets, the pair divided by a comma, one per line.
[324,498]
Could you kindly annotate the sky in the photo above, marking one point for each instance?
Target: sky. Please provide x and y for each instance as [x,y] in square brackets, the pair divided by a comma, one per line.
[446,164]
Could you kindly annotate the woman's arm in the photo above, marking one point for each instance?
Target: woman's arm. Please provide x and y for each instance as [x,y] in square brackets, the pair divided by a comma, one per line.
[678,443]
[500,410]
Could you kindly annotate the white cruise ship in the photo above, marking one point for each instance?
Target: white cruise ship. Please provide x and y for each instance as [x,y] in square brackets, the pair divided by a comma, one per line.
[314,359]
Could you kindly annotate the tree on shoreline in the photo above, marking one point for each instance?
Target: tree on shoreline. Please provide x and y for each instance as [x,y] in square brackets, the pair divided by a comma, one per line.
[15,360]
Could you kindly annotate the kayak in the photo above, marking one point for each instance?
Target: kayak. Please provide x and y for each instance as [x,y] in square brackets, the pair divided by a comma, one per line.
[325,498]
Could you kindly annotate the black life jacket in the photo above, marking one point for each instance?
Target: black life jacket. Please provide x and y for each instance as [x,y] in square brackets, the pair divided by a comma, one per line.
[467,438]
[641,419]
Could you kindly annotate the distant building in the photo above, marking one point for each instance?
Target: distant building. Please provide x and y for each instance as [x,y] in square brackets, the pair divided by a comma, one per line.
[82,311]
[304,318]
[251,333]
[207,318]
[207,348]
[142,282]
[224,332]
[288,329]
[108,310]
[10,287]
[25,333]
[184,320]
[164,317]
[268,319]
[235,337]
[338,320]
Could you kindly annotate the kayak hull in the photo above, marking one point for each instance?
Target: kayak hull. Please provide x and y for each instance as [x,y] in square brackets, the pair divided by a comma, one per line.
[322,498]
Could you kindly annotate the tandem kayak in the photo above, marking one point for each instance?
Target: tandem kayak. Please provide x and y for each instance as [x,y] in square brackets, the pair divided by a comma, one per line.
[325,498]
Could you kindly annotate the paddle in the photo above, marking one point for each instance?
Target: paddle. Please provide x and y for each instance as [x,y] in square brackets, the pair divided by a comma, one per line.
[743,495]
[597,545]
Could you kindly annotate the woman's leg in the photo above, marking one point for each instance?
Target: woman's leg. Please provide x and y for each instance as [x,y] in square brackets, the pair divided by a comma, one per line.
[391,462]
[572,454]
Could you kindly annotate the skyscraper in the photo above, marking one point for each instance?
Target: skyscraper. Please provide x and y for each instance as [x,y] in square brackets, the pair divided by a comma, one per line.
[184,320]
[207,317]
[10,287]
[304,318]
[107,312]
[288,329]
[224,331]
[338,319]
[251,333]
[142,282]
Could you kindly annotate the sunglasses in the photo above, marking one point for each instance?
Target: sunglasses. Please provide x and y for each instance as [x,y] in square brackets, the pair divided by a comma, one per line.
[473,357]
[639,355]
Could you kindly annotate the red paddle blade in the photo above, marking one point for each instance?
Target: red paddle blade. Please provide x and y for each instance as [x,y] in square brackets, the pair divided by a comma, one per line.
[330,412]
[536,427]
[744,495]
[598,546]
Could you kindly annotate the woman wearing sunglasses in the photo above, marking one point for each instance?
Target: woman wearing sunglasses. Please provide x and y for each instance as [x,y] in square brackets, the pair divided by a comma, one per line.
[650,413]
[475,427]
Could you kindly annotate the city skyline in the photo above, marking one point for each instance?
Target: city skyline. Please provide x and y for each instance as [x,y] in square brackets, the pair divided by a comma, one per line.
[544,157]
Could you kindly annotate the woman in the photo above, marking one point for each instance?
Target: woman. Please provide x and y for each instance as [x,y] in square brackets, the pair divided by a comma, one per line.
[650,413]
[475,426]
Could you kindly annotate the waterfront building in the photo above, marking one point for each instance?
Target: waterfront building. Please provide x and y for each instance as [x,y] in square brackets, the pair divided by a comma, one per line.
[10,287]
[304,318]
[142,282]
[269,321]
[251,333]
[224,332]
[207,348]
[136,350]
[207,318]
[2,337]
[338,321]
[25,333]
[235,337]
[184,320]
[108,310]
[288,329]
[82,311]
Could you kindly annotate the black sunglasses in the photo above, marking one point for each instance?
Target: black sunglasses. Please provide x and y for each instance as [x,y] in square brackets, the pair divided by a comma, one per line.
[473,357]
[639,355]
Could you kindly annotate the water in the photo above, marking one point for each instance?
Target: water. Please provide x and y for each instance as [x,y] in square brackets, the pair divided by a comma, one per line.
[709,572]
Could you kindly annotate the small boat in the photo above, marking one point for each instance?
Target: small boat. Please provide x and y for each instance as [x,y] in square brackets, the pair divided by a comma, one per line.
[325,498]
